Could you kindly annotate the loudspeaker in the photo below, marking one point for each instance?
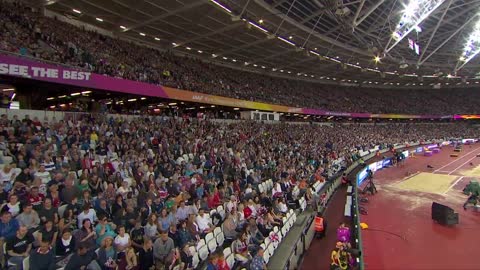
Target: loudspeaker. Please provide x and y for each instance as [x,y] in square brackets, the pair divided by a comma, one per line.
[443,214]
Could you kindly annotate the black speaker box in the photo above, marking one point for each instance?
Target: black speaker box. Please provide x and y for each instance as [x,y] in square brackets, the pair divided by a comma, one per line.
[443,214]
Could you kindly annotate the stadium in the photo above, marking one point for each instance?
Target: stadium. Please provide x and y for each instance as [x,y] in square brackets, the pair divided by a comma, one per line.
[239,134]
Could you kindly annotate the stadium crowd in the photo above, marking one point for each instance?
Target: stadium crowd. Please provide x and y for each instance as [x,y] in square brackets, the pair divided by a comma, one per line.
[140,194]
[30,34]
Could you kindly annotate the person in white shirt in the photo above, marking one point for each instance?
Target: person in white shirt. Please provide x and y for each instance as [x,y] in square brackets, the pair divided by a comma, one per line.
[124,189]
[204,222]
[87,213]
[232,204]
[43,174]
[122,240]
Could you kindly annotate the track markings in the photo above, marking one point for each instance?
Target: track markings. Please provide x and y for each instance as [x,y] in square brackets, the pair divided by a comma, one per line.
[456,160]
[452,185]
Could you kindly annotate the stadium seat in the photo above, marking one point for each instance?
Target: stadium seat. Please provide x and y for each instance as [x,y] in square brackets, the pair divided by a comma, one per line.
[195,261]
[212,245]
[220,239]
[221,212]
[227,251]
[203,252]
[200,244]
[26,263]
[266,257]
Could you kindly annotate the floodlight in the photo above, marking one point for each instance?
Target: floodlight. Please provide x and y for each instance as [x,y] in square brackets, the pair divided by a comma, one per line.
[414,13]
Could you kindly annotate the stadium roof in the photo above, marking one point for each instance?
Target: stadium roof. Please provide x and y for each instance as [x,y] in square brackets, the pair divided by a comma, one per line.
[349,41]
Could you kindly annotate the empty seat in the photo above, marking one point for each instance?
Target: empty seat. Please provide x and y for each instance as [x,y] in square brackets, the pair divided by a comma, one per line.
[212,245]
[227,251]
[208,237]
[266,257]
[217,230]
[195,261]
[230,261]
[221,211]
[203,253]
[220,239]
[200,244]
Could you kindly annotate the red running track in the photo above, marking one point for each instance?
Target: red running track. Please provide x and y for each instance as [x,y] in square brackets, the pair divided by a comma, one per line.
[401,234]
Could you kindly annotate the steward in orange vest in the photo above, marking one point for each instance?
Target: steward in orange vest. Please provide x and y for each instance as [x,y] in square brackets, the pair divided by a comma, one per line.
[320,226]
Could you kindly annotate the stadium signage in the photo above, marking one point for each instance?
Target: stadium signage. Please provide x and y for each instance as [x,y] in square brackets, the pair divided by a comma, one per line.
[42,72]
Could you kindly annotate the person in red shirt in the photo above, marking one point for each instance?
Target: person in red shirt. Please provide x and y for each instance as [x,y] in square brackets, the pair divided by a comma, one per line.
[35,198]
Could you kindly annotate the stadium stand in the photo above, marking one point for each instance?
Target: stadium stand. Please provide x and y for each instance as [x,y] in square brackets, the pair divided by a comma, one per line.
[206,193]
[29,34]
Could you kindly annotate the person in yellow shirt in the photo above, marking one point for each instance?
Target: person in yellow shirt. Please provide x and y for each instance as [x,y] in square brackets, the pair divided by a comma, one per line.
[339,257]
[93,136]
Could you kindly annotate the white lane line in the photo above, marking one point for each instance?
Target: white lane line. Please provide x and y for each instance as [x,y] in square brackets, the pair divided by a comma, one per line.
[468,153]
[456,182]
[463,164]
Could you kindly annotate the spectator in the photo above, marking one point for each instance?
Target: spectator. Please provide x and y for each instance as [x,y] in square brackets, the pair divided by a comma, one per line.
[107,255]
[29,218]
[65,244]
[83,258]
[257,261]
[8,230]
[42,258]
[163,250]
[145,255]
[18,248]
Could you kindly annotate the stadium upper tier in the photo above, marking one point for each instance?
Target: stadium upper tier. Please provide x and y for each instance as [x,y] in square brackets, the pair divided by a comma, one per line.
[29,33]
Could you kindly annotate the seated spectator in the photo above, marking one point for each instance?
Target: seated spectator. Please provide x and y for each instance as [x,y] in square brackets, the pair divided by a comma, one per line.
[35,199]
[86,236]
[13,206]
[65,243]
[103,229]
[29,218]
[131,259]
[186,256]
[204,222]
[48,233]
[165,220]
[48,212]
[230,225]
[137,234]
[107,255]
[83,258]
[68,221]
[19,247]
[87,213]
[151,228]
[240,249]
[43,257]
[184,235]
[8,230]
[258,262]
[163,250]
[145,255]
[122,240]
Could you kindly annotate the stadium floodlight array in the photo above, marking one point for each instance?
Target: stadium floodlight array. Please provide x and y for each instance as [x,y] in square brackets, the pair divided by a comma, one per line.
[472,47]
[414,13]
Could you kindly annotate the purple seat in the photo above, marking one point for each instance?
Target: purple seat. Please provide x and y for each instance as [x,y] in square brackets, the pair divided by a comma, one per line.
[436,150]
[428,153]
